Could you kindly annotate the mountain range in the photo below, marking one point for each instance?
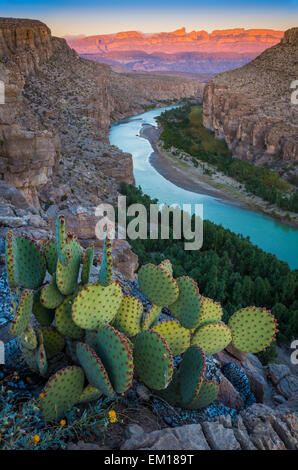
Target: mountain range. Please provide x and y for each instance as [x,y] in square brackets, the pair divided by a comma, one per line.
[177,51]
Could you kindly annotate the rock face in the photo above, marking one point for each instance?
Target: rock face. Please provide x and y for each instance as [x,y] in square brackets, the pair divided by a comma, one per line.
[251,107]
[196,51]
[54,124]
[257,428]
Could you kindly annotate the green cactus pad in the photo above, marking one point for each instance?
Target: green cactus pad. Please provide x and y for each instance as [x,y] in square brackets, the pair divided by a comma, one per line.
[96,305]
[212,337]
[187,308]
[210,311]
[62,391]
[191,373]
[153,359]
[61,237]
[177,337]
[28,339]
[53,341]
[22,318]
[25,263]
[41,360]
[106,269]
[87,266]
[207,394]
[91,339]
[167,265]
[128,318]
[94,370]
[89,393]
[171,394]
[29,357]
[64,322]
[43,315]
[67,273]
[115,351]
[50,295]
[158,285]
[150,317]
[51,256]
[253,329]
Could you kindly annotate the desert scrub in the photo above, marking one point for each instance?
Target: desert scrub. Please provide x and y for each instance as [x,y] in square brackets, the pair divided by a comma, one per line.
[22,428]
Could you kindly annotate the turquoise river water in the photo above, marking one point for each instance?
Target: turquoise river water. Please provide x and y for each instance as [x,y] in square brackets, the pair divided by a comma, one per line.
[264,231]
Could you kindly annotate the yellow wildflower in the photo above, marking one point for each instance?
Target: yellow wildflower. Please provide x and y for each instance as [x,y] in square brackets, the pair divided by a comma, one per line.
[63,422]
[113,416]
[36,439]
[41,395]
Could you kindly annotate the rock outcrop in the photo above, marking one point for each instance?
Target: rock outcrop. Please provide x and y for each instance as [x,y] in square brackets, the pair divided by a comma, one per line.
[251,107]
[54,124]
[180,51]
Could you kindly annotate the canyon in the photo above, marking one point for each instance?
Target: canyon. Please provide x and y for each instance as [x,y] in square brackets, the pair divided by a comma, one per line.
[180,51]
[251,108]
[54,150]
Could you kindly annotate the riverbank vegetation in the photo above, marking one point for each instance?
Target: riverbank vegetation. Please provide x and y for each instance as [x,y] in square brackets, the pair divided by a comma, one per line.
[183,129]
[228,268]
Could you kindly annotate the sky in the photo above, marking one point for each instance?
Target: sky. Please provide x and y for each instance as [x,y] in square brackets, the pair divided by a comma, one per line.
[91,17]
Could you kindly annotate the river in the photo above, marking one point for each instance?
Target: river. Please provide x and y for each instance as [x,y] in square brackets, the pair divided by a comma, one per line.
[270,235]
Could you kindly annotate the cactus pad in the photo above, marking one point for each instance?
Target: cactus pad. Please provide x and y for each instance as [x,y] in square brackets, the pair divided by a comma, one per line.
[67,273]
[171,394]
[153,359]
[187,307]
[91,339]
[191,373]
[41,360]
[106,269]
[29,357]
[50,295]
[150,317]
[87,266]
[115,351]
[207,394]
[177,337]
[28,339]
[22,318]
[128,318]
[61,392]
[96,305]
[89,393]
[167,265]
[212,337]
[53,341]
[51,256]
[64,322]
[253,329]
[25,263]
[93,367]
[43,315]
[158,285]
[61,237]
[210,311]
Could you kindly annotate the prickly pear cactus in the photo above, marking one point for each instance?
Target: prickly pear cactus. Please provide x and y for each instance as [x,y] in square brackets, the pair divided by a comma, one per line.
[187,308]
[158,285]
[176,336]
[128,318]
[105,273]
[21,320]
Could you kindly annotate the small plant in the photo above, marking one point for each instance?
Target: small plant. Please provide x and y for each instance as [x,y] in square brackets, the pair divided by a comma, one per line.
[105,338]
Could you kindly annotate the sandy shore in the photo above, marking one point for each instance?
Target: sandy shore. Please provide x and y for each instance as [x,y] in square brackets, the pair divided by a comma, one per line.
[186,176]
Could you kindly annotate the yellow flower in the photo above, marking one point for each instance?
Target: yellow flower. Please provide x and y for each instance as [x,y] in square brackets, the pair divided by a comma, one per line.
[36,438]
[63,422]
[113,416]
[35,408]
[41,395]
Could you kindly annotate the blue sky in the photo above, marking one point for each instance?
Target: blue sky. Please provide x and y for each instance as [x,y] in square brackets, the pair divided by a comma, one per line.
[108,16]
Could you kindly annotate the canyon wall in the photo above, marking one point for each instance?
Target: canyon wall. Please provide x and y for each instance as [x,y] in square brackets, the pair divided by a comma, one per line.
[251,107]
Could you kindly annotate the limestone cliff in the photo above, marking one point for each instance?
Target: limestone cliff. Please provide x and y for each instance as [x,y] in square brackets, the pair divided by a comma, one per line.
[251,107]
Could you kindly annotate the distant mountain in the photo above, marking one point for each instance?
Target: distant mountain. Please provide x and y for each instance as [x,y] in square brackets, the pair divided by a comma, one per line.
[194,52]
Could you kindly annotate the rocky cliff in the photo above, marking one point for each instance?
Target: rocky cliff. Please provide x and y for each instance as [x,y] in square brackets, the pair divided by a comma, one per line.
[251,107]
[54,126]
[180,51]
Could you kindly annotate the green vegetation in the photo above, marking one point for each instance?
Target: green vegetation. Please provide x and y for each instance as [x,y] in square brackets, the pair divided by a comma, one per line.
[228,268]
[183,129]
